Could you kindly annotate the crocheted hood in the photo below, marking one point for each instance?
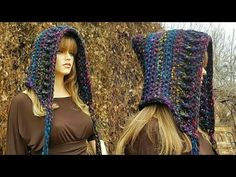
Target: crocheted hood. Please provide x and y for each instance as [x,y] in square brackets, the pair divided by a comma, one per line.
[172,67]
[41,73]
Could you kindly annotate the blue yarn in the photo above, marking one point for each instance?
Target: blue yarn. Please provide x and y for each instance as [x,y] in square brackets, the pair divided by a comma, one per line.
[47,132]
[195,146]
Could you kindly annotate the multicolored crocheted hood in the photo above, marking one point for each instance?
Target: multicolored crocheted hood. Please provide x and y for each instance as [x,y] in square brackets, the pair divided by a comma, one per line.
[41,74]
[172,66]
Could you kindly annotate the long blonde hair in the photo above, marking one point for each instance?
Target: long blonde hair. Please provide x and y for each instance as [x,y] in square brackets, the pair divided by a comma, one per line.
[172,141]
[70,82]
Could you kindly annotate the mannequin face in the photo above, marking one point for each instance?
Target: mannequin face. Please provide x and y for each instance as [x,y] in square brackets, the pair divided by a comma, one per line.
[65,56]
[64,63]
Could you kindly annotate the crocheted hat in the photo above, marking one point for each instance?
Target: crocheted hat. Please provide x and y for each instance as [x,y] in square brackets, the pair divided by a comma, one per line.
[41,74]
[172,67]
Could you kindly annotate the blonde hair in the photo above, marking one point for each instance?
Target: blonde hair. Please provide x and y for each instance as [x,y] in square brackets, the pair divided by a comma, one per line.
[70,82]
[172,141]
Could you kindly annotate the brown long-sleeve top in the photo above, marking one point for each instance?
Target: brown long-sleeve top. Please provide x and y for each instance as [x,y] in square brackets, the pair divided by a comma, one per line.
[146,144]
[71,128]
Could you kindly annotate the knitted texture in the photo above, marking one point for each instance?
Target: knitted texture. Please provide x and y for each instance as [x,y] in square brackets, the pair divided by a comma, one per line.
[41,74]
[172,67]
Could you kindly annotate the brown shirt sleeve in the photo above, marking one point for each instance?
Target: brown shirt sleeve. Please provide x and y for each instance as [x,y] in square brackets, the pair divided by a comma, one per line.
[15,144]
[145,144]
